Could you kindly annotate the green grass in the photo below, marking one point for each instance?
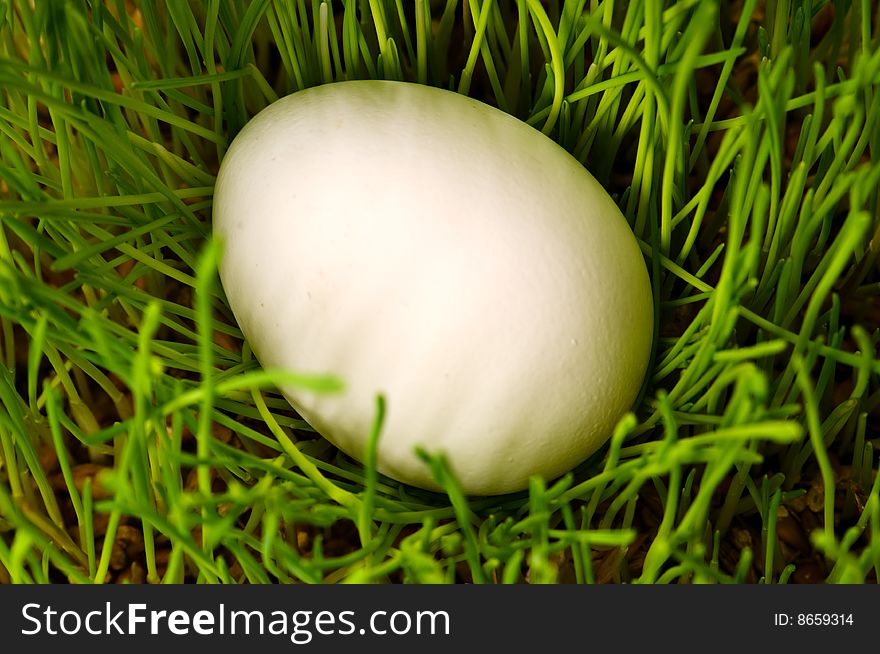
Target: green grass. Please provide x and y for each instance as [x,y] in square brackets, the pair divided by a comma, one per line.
[141,441]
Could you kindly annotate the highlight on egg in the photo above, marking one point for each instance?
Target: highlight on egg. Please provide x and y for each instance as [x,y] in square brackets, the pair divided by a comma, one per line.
[422,245]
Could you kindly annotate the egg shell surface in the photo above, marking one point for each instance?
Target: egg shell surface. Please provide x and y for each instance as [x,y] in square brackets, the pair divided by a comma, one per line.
[421,244]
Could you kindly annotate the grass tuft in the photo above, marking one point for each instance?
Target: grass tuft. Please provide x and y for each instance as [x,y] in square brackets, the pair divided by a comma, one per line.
[141,442]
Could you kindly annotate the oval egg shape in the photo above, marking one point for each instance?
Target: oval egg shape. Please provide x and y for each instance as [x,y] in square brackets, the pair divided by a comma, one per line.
[423,245]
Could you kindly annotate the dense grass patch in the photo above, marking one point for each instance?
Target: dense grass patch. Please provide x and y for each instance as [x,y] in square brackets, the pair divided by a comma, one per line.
[140,441]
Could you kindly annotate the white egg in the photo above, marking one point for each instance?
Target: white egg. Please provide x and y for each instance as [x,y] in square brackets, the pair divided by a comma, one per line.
[420,244]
